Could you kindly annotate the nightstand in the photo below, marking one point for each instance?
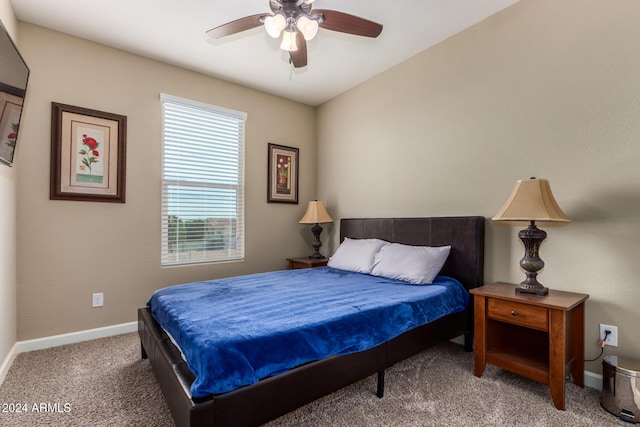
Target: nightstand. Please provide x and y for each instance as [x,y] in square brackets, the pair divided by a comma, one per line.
[306,262]
[538,337]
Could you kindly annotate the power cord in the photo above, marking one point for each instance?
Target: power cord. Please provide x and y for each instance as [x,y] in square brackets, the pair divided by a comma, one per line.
[602,343]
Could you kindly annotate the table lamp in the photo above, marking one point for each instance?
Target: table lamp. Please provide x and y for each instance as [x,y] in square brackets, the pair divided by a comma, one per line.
[531,201]
[316,214]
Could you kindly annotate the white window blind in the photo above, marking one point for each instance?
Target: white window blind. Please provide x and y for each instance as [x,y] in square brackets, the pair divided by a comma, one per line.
[202,182]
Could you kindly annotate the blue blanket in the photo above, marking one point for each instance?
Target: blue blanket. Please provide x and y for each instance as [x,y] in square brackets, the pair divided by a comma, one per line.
[234,332]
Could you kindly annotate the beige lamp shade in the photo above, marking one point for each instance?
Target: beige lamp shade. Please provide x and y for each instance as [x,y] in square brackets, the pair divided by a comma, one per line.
[531,200]
[316,214]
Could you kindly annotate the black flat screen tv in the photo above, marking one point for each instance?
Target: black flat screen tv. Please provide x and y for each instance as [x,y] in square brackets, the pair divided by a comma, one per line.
[14,75]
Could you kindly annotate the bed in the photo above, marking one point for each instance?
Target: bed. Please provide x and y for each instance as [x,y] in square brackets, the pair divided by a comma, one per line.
[276,395]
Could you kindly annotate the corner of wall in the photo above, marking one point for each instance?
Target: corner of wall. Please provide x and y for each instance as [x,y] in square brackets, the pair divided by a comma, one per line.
[6,364]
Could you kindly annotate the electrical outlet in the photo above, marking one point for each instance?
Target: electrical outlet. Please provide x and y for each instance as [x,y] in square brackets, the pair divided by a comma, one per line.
[612,338]
[97,300]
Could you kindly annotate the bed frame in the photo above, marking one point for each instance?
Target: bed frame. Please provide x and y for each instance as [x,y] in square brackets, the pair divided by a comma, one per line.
[275,396]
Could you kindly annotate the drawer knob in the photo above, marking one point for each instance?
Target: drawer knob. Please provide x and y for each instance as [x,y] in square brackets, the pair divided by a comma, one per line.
[514,313]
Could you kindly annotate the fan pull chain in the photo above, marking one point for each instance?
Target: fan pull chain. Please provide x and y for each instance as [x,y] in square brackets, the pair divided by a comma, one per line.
[290,69]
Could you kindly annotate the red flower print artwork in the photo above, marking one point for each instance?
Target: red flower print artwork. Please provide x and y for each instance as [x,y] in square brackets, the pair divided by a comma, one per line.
[11,137]
[90,153]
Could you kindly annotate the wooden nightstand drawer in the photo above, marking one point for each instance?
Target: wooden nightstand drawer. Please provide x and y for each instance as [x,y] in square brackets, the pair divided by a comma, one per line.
[517,313]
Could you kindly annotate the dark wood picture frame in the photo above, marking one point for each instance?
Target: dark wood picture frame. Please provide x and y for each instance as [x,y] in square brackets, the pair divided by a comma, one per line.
[88,154]
[282,177]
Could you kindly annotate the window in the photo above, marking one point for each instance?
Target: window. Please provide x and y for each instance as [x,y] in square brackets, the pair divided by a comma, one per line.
[202,182]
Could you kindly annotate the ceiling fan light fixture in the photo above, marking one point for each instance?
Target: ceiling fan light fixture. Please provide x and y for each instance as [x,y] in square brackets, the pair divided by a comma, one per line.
[298,22]
[289,40]
[307,26]
[275,24]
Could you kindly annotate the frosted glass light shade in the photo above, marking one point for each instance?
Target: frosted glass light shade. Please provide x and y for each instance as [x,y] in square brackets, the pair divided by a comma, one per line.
[289,41]
[274,25]
[308,27]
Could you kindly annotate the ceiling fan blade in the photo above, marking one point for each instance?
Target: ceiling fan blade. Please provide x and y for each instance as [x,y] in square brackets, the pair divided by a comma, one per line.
[350,24]
[242,24]
[299,56]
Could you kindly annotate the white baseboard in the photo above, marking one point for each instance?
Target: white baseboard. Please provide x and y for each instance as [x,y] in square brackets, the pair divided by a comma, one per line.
[593,380]
[74,337]
[4,368]
[458,340]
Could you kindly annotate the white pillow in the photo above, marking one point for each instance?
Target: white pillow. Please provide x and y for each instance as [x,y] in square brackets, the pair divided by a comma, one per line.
[414,264]
[356,254]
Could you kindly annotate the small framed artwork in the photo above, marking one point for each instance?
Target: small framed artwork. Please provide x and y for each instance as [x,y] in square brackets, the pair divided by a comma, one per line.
[88,154]
[282,177]
[10,110]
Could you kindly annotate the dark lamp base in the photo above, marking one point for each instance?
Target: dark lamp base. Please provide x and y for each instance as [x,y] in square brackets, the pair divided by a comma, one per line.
[524,288]
[532,237]
[316,230]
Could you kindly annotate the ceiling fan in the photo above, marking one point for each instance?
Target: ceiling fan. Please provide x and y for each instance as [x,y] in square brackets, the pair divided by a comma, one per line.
[298,23]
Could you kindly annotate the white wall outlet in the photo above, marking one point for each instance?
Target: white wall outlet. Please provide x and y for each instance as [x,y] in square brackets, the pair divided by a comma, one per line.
[612,338]
[97,300]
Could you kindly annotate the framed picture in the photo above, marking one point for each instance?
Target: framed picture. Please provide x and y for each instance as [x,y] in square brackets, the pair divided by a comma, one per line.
[10,110]
[282,177]
[88,154]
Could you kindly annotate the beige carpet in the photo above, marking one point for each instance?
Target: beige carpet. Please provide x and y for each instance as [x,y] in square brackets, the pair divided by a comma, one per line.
[105,383]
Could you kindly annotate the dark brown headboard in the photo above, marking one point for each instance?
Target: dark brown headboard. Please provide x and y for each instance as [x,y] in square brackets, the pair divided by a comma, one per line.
[465,234]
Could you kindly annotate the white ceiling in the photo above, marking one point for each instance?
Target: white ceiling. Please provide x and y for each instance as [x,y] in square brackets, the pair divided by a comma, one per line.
[173,31]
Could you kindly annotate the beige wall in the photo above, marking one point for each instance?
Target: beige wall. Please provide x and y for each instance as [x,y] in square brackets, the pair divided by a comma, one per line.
[7,230]
[68,250]
[545,88]
[541,89]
